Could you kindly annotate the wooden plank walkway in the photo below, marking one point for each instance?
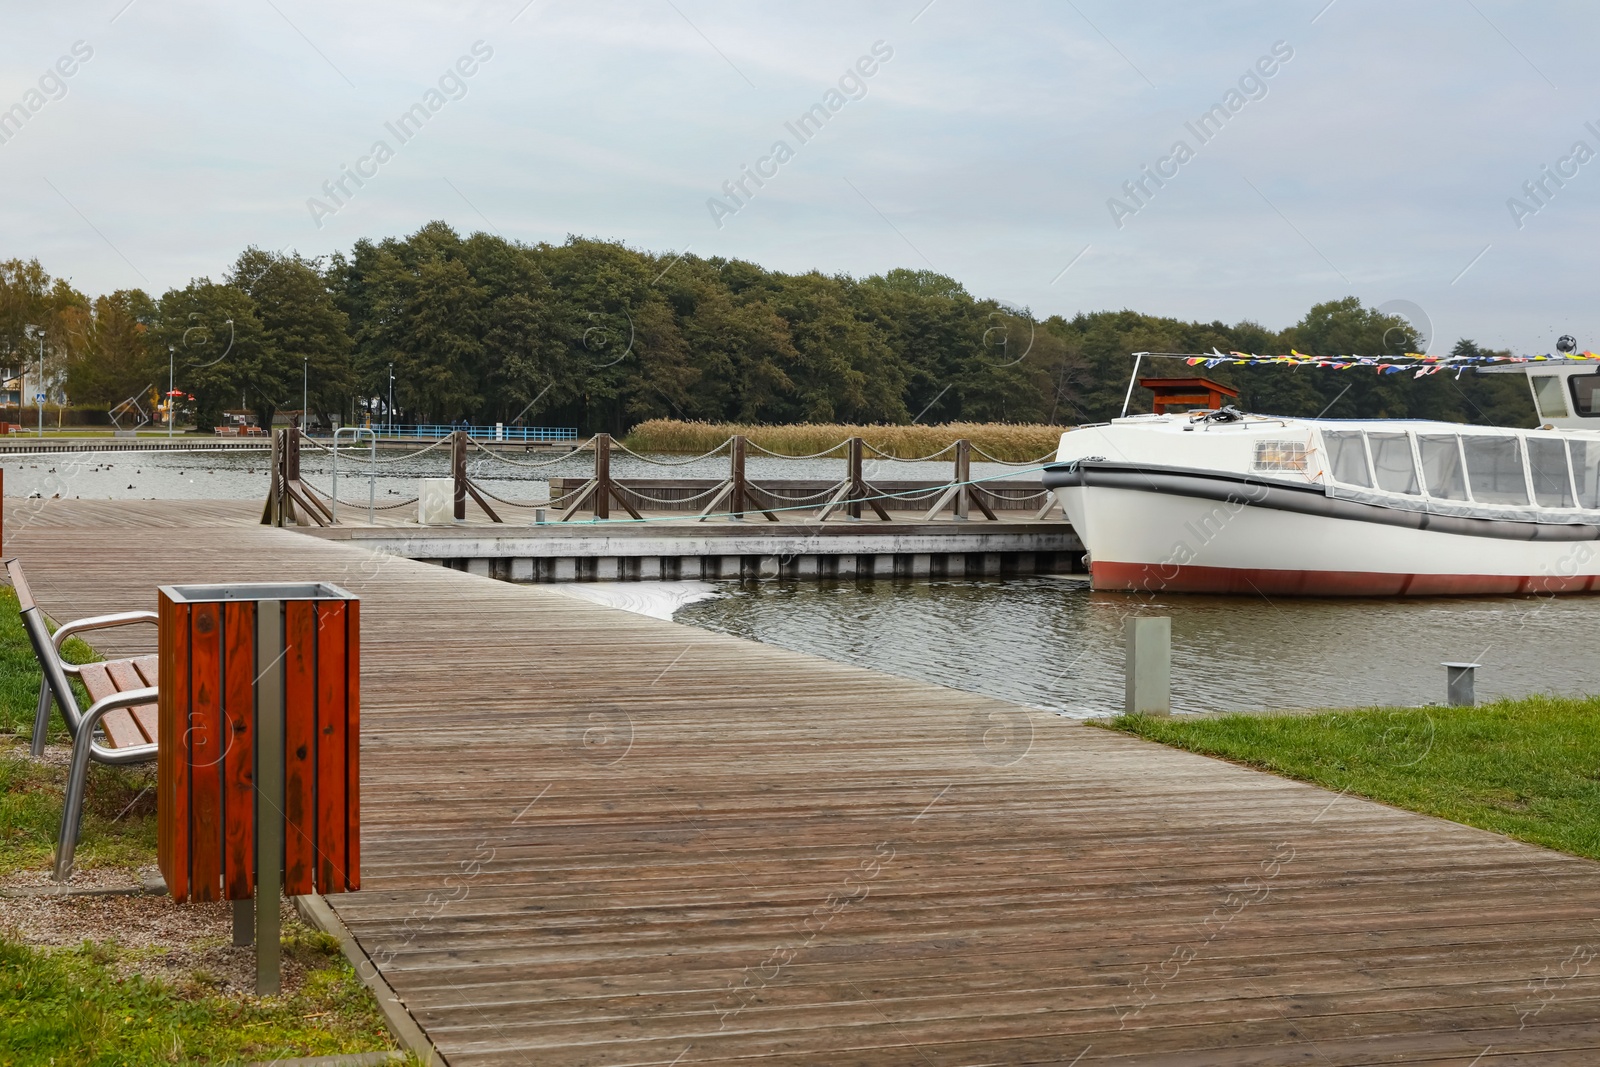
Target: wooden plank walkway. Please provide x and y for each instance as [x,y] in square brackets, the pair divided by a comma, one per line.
[592,838]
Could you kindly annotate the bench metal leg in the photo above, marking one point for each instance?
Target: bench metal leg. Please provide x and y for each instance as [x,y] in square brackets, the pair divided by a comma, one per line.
[41,718]
[72,810]
[78,773]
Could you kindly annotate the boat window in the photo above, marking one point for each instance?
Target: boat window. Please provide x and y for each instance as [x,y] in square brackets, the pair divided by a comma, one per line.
[1585,394]
[1547,396]
[1441,466]
[1280,456]
[1347,457]
[1586,471]
[1547,462]
[1494,470]
[1392,462]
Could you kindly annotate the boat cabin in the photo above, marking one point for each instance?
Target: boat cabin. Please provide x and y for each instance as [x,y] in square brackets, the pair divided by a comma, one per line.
[1566,392]
[1182,394]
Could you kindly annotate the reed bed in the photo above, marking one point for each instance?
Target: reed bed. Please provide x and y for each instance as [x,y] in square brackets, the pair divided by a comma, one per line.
[1014,443]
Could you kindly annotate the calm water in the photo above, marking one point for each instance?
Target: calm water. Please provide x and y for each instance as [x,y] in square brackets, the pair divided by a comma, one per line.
[1053,644]
[1038,641]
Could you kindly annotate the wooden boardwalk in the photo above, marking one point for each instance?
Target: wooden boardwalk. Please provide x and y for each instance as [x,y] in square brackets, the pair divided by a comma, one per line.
[591,838]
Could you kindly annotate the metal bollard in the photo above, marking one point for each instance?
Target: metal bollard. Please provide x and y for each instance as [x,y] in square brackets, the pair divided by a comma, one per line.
[1458,684]
[538,516]
[1148,665]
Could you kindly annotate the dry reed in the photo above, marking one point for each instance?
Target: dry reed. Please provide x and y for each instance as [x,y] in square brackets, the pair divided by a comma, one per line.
[1015,443]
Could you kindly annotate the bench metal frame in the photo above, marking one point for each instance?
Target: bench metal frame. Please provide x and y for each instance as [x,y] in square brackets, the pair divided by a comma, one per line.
[81,723]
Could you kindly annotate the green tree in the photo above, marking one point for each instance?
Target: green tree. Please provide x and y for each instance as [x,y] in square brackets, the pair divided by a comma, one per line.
[304,334]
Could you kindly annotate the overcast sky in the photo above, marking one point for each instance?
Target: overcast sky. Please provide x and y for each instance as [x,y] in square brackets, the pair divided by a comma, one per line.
[1376,160]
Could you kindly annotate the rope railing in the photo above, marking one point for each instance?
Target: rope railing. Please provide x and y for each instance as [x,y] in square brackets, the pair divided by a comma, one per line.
[786,455]
[734,495]
[671,462]
[774,494]
[903,459]
[1047,457]
[973,482]
[358,504]
[413,455]
[552,502]
[531,464]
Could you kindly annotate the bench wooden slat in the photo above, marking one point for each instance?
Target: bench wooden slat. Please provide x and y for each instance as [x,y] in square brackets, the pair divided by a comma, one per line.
[147,715]
[128,678]
[120,726]
[125,726]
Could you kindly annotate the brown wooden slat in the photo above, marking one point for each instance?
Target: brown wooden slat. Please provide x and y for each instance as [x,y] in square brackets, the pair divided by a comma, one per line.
[207,746]
[352,779]
[331,756]
[238,765]
[121,729]
[300,747]
[172,780]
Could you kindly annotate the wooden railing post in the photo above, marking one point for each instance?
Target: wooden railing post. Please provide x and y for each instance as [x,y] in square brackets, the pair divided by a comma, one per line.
[602,475]
[963,476]
[858,488]
[736,476]
[960,495]
[458,471]
[291,460]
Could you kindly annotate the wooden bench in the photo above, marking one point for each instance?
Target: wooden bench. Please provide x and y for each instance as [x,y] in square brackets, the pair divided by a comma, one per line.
[123,703]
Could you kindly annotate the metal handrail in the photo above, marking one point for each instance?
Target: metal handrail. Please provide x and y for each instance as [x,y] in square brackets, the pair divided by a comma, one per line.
[501,432]
[355,433]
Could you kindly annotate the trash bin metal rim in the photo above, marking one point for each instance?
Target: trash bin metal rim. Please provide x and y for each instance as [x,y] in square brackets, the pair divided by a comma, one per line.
[254,591]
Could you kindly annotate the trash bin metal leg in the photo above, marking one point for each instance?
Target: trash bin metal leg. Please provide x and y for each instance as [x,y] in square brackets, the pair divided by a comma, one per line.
[269,791]
[244,923]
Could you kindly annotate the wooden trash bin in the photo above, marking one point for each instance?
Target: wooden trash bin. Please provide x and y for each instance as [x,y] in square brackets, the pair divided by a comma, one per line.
[258,779]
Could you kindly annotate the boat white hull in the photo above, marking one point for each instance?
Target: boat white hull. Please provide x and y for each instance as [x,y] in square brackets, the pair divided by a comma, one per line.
[1164,542]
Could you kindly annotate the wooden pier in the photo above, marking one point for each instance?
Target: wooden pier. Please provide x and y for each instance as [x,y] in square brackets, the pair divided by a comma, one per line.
[591,838]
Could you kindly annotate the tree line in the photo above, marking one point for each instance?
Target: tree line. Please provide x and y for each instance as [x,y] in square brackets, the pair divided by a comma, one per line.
[600,336]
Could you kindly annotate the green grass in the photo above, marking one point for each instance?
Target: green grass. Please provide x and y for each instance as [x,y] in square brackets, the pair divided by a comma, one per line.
[1529,768]
[80,1006]
[76,1006]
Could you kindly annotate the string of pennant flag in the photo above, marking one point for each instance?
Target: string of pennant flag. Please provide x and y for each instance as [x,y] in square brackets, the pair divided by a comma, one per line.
[1421,365]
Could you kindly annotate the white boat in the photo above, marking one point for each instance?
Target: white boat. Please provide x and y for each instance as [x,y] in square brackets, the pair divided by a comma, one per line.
[1225,502]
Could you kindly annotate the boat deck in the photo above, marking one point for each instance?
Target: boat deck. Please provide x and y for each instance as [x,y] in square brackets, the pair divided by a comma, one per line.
[592,838]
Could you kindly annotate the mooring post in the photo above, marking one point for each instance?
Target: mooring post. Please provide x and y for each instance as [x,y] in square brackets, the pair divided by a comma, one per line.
[963,476]
[853,453]
[602,476]
[458,471]
[736,502]
[1458,684]
[1148,666]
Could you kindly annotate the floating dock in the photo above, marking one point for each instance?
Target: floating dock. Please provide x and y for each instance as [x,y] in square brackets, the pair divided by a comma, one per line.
[674,547]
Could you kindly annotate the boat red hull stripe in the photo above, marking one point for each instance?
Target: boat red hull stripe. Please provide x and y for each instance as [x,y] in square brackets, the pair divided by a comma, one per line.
[1173,578]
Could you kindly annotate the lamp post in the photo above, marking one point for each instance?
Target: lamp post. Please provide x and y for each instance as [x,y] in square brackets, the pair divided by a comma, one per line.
[305,392]
[388,414]
[171,389]
[37,331]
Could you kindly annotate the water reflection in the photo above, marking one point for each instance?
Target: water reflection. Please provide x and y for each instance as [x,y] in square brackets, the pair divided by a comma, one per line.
[1055,645]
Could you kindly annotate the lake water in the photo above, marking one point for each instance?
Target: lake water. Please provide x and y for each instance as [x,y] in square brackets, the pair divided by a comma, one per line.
[1055,645]
[1040,641]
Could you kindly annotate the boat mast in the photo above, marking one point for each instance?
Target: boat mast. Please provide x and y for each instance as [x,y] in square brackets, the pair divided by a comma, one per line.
[1128,398]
